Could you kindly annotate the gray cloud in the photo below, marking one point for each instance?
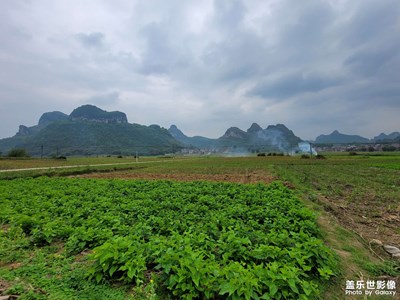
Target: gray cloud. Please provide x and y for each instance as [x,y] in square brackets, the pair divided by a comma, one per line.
[368,62]
[162,54]
[294,84]
[91,40]
[228,15]
[315,65]
[370,22]
[108,99]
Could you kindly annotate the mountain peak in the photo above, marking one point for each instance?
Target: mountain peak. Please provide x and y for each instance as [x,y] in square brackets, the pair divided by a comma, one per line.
[195,141]
[254,128]
[92,113]
[176,132]
[235,133]
[387,137]
[90,130]
[339,138]
[50,117]
[280,127]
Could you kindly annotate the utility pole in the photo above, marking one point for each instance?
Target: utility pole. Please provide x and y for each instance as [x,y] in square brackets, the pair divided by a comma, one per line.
[136,156]
[310,149]
[41,152]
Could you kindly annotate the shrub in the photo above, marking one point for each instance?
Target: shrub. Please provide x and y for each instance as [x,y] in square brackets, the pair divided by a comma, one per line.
[17,152]
[389,148]
[305,156]
[352,153]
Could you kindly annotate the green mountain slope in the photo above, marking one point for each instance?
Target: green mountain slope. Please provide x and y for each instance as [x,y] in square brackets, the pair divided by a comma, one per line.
[92,113]
[195,141]
[255,139]
[339,138]
[83,134]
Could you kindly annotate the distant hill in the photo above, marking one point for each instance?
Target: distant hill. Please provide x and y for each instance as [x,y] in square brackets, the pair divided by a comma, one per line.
[89,130]
[254,128]
[255,139]
[94,114]
[339,138]
[387,138]
[195,141]
[44,120]
[51,117]
[273,138]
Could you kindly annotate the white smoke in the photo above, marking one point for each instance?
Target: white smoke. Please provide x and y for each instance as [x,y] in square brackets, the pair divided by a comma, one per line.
[306,147]
[275,138]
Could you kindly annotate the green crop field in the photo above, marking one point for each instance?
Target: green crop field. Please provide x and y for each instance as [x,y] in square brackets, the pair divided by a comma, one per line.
[199,228]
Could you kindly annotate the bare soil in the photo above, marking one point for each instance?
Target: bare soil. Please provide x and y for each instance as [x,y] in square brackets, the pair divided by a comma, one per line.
[4,285]
[251,177]
[383,224]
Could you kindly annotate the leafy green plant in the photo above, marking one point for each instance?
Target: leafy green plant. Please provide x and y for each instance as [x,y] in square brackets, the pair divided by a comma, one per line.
[121,259]
[194,240]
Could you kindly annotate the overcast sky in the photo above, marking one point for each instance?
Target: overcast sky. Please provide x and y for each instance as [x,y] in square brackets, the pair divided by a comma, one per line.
[313,65]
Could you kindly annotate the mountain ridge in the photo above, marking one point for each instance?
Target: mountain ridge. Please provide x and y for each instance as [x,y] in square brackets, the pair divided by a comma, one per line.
[255,139]
[394,136]
[92,113]
[89,130]
[337,137]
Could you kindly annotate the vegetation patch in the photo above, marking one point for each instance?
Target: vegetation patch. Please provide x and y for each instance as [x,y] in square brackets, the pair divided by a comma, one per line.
[191,240]
[17,152]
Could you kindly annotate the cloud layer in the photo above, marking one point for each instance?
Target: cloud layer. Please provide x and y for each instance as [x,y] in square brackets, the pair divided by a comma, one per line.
[314,65]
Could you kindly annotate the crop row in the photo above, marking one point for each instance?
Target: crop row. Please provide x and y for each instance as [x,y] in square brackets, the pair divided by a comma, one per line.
[196,240]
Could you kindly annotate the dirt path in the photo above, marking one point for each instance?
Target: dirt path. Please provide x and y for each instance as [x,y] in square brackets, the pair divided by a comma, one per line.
[84,166]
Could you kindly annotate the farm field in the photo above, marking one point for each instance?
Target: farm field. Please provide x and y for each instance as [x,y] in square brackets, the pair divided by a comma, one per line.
[6,163]
[353,199]
[23,163]
[34,167]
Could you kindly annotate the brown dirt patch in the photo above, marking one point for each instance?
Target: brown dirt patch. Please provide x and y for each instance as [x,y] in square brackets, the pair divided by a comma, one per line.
[4,227]
[251,177]
[81,257]
[382,224]
[14,265]
[4,285]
